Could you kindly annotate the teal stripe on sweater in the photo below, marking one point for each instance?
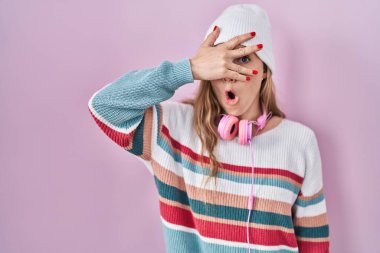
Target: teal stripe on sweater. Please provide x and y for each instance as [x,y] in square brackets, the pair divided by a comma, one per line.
[312,232]
[138,139]
[187,242]
[220,211]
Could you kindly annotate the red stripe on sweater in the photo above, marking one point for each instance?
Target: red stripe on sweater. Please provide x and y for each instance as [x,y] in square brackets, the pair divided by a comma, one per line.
[244,169]
[121,139]
[235,233]
[313,247]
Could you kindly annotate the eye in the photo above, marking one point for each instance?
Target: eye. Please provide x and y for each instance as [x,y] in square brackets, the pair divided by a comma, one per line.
[245,57]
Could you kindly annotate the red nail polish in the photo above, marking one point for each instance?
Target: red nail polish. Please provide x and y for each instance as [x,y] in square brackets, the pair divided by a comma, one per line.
[215,27]
[247,78]
[260,45]
[254,72]
[253,34]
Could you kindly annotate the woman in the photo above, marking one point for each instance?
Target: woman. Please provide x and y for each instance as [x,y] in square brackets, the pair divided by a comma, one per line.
[267,194]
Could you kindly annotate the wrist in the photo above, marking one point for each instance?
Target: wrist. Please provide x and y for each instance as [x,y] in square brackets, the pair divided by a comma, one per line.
[192,65]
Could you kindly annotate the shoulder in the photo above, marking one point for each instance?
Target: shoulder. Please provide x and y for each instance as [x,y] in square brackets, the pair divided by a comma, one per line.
[300,131]
[176,117]
[175,108]
[175,113]
[299,126]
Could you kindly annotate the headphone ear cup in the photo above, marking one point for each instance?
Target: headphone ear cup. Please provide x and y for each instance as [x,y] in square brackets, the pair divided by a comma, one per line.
[242,131]
[228,127]
[245,132]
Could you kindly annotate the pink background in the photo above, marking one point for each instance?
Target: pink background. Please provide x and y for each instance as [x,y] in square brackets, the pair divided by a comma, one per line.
[66,187]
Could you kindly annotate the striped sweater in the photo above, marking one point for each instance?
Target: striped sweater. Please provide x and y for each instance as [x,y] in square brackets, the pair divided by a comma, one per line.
[289,213]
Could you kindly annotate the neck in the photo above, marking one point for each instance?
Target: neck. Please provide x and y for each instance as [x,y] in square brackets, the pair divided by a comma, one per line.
[253,113]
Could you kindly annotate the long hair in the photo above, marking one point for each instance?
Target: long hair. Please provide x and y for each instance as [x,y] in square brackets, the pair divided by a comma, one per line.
[207,111]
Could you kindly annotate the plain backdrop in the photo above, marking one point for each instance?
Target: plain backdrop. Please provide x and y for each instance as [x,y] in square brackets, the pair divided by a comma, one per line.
[66,187]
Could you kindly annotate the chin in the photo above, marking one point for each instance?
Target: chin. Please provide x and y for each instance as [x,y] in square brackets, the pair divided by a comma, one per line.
[233,111]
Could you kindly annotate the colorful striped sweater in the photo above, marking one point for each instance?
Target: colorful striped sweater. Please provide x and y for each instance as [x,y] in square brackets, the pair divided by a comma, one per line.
[289,213]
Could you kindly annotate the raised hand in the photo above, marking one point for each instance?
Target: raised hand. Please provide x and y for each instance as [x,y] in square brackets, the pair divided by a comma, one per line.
[212,63]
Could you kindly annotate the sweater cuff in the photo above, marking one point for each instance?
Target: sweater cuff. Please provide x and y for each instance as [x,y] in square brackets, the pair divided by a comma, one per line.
[182,73]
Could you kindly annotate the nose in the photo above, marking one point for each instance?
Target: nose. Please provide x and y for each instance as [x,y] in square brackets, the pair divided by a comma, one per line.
[229,80]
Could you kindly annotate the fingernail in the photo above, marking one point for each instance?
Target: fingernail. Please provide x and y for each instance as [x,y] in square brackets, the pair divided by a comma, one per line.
[253,34]
[215,28]
[254,72]
[260,45]
[247,78]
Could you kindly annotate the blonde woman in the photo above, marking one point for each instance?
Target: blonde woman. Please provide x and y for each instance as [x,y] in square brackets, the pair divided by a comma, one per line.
[267,194]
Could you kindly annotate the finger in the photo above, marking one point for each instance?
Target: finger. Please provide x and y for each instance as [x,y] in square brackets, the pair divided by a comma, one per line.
[244,51]
[241,70]
[237,40]
[236,76]
[211,38]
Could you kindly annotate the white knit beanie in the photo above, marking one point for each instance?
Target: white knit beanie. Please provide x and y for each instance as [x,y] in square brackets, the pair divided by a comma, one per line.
[244,18]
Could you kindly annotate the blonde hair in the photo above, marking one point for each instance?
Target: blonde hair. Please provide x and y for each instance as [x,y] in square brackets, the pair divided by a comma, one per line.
[207,111]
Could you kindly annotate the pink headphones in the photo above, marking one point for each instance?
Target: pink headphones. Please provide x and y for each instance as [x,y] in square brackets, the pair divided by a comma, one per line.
[228,127]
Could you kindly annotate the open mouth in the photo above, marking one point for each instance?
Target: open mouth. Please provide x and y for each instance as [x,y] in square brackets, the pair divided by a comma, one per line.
[231,97]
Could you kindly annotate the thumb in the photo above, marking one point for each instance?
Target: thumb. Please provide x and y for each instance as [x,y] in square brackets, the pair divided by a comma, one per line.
[211,38]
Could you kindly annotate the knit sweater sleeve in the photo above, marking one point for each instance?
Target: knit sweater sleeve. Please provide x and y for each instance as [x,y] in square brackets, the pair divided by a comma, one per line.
[309,210]
[124,109]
